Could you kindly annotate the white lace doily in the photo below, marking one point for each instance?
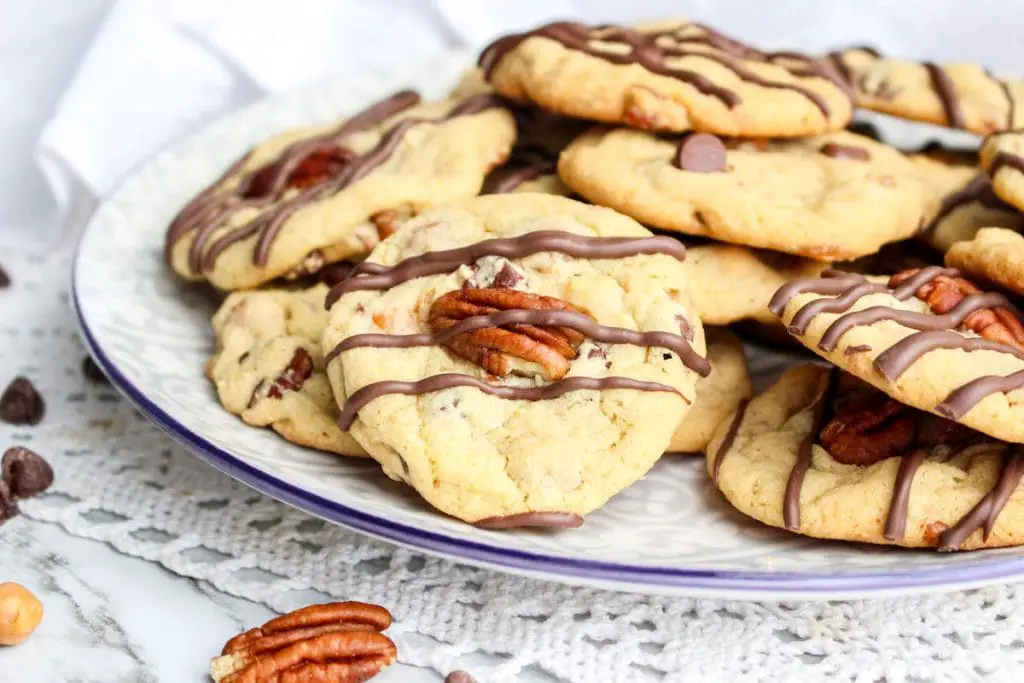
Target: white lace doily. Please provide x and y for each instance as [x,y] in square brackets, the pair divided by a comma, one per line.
[120,480]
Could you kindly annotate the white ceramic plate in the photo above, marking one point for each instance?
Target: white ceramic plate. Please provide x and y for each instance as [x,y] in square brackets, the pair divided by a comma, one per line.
[670,533]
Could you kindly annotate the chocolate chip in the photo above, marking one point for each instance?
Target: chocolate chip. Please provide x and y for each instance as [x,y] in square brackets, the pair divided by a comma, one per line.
[21,404]
[92,371]
[333,273]
[8,508]
[459,677]
[507,277]
[700,153]
[597,352]
[25,472]
[831,149]
[5,279]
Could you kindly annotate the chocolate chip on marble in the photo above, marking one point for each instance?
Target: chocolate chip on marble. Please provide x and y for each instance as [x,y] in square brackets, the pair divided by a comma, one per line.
[459,677]
[25,472]
[5,279]
[21,404]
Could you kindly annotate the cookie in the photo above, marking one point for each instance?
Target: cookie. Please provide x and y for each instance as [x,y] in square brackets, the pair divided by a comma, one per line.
[674,76]
[796,457]
[484,338]
[831,197]
[929,338]
[269,370]
[317,195]
[728,283]
[995,255]
[718,394]
[961,95]
[961,198]
[1002,157]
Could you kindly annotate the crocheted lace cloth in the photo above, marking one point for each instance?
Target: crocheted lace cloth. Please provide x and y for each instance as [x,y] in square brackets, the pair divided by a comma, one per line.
[122,481]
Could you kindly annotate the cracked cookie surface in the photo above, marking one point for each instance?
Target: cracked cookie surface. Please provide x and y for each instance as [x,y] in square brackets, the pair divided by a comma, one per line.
[769,462]
[831,197]
[268,367]
[479,456]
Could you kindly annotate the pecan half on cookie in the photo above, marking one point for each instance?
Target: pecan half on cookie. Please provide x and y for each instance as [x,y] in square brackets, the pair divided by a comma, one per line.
[512,349]
[945,292]
[874,427]
[340,642]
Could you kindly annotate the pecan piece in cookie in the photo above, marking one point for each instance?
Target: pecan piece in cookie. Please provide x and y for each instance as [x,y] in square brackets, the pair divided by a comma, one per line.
[943,293]
[875,427]
[340,641]
[316,168]
[294,376]
[501,350]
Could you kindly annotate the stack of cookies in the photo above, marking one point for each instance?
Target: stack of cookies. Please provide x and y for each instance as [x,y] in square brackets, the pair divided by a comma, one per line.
[521,356]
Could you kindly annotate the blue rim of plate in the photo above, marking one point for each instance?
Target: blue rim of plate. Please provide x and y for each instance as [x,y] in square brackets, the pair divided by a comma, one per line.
[609,575]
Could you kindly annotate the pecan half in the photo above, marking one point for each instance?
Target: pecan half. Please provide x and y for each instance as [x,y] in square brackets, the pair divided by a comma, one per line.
[339,642]
[500,350]
[942,293]
[319,166]
[875,427]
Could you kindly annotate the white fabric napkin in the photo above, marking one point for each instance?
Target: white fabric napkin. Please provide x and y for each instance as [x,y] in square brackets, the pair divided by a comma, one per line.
[158,69]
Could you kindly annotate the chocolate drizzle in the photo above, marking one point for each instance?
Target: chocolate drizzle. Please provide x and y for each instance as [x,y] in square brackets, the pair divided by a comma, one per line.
[564,520]
[373,276]
[896,522]
[983,515]
[934,331]
[543,318]
[1007,160]
[645,51]
[979,189]
[943,86]
[822,409]
[448,380]
[729,438]
[208,212]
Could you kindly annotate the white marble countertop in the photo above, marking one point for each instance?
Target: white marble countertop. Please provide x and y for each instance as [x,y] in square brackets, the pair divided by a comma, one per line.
[110,618]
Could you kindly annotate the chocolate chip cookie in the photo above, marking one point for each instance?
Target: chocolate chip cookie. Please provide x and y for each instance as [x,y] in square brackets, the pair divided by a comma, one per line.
[831,197]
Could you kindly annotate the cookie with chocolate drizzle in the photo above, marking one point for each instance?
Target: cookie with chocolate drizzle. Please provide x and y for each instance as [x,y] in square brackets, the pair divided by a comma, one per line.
[824,455]
[268,368]
[962,95]
[309,197]
[831,197]
[1002,158]
[674,76]
[927,337]
[961,198]
[516,358]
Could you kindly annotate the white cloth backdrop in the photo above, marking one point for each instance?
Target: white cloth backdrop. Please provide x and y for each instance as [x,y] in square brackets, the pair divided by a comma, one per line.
[93,87]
